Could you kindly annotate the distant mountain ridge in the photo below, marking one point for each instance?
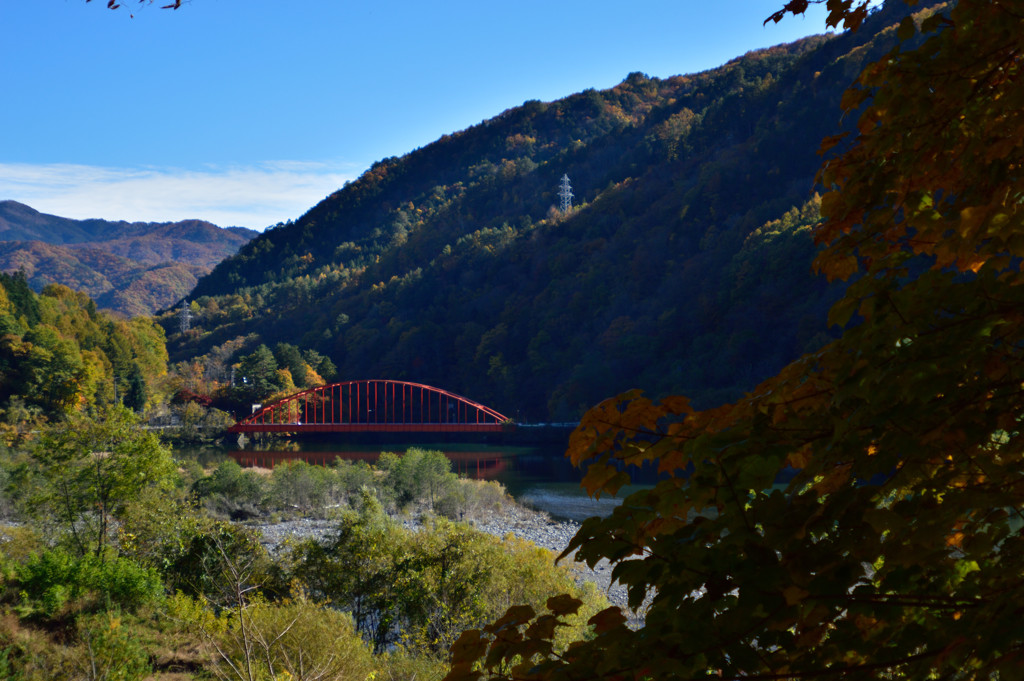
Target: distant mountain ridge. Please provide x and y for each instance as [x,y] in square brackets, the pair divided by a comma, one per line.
[131,267]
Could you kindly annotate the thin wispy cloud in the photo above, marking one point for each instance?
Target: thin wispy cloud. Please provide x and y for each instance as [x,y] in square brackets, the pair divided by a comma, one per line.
[255,196]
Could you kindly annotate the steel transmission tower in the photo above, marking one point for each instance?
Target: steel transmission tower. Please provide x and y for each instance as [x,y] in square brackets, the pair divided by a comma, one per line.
[565,195]
[184,317]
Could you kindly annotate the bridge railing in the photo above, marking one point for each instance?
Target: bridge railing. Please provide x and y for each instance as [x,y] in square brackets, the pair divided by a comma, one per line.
[373,405]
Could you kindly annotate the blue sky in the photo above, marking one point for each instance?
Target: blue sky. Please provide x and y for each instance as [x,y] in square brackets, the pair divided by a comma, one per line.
[248,112]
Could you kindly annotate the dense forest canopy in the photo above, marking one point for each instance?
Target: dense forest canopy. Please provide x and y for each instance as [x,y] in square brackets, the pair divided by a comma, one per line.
[682,266]
[59,355]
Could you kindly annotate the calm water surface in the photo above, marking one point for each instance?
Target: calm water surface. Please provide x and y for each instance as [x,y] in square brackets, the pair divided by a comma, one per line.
[537,475]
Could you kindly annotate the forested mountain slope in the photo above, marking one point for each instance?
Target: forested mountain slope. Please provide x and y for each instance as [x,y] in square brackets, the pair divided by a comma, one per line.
[132,267]
[684,266]
[60,355]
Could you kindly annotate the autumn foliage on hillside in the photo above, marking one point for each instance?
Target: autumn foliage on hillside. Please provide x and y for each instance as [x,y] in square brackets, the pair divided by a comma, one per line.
[59,355]
[858,515]
[683,265]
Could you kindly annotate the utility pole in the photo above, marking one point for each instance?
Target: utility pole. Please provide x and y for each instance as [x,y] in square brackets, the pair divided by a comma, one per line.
[565,195]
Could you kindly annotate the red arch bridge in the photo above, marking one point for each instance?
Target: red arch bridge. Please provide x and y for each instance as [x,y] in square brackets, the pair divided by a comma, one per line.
[374,406]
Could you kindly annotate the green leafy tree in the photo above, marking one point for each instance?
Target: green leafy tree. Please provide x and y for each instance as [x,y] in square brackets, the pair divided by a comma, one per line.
[258,373]
[296,639]
[357,569]
[288,357]
[52,370]
[352,477]
[420,589]
[322,365]
[231,490]
[47,581]
[454,577]
[858,515]
[135,392]
[220,562]
[419,475]
[22,299]
[87,470]
[297,485]
[110,651]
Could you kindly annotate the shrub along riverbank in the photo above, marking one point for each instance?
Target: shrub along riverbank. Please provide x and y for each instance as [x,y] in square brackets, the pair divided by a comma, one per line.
[154,579]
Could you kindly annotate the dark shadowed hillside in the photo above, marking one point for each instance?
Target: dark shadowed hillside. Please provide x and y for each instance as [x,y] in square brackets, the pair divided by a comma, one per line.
[132,267]
[683,266]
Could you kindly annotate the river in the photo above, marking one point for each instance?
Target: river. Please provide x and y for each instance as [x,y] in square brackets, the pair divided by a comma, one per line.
[538,475]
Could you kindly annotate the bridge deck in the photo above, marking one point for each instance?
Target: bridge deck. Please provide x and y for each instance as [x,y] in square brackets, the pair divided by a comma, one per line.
[369,427]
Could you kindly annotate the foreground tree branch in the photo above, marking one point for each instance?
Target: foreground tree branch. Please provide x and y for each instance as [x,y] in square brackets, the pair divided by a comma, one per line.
[856,515]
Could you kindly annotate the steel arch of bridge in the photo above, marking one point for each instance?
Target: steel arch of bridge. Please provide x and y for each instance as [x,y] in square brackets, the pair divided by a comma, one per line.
[373,406]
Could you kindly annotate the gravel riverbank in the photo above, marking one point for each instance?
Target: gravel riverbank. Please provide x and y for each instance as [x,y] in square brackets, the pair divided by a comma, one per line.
[525,523]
